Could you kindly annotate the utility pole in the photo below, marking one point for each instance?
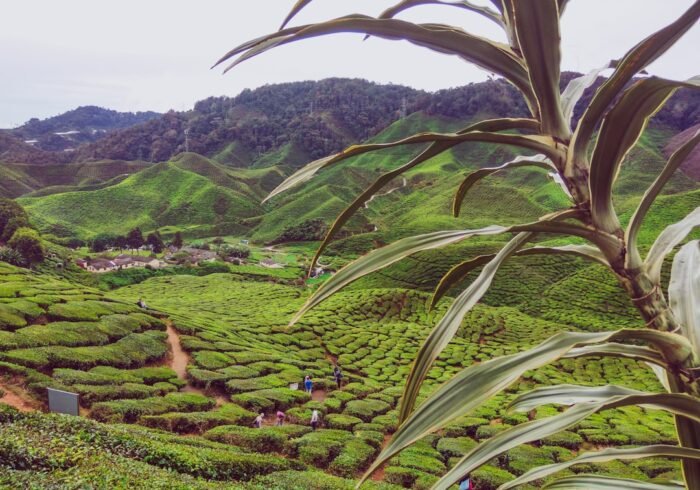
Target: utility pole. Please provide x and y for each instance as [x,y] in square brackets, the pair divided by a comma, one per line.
[404,108]
[187,139]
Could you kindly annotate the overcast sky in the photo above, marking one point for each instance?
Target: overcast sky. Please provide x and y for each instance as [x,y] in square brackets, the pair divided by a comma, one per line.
[135,55]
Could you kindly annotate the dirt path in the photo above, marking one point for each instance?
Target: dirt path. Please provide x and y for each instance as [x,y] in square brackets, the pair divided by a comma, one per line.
[403,184]
[13,398]
[179,359]
[379,474]
[318,395]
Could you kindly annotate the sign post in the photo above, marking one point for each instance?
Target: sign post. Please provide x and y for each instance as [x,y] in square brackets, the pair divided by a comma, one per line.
[63,402]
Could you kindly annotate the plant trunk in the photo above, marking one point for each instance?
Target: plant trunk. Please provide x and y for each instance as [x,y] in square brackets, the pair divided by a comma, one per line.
[654,309]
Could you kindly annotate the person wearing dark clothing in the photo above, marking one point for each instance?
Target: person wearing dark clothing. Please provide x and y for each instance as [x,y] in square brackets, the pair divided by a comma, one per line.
[338,376]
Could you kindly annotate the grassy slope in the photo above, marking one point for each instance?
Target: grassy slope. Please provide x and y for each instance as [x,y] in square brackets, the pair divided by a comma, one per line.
[182,192]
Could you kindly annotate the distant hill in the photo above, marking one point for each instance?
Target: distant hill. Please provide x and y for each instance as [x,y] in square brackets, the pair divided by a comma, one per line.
[69,130]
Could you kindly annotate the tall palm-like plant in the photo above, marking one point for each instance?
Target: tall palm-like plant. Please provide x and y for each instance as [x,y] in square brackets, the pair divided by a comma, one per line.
[587,161]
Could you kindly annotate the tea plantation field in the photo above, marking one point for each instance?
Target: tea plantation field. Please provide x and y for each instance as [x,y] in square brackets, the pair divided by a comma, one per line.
[146,424]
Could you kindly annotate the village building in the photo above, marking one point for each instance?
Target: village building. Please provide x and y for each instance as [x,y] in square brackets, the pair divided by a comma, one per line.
[271,264]
[123,261]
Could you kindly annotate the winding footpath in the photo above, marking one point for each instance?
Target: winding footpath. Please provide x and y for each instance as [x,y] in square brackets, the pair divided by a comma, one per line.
[178,362]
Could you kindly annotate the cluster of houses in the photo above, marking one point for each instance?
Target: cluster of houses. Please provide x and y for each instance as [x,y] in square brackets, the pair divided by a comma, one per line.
[123,261]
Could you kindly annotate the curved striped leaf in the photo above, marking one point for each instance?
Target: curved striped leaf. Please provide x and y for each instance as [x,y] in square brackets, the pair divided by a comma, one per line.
[603,456]
[486,54]
[521,161]
[568,394]
[598,482]
[667,240]
[298,7]
[575,89]
[457,273]
[632,259]
[620,131]
[446,142]
[448,325]
[463,4]
[537,29]
[385,256]
[684,291]
[476,384]
[489,125]
[634,61]
[541,428]
[613,349]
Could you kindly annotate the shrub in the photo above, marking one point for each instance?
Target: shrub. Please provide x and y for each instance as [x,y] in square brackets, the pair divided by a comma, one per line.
[132,410]
[198,422]
[490,477]
[27,243]
[455,446]
[355,456]
[565,438]
[366,409]
[342,422]
[262,440]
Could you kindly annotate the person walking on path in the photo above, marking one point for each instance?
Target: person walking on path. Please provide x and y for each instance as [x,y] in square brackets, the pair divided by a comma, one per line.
[259,420]
[314,419]
[280,417]
[466,484]
[337,375]
[308,384]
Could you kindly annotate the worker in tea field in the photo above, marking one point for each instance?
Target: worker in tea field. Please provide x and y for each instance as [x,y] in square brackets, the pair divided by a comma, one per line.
[259,420]
[314,419]
[142,304]
[280,417]
[338,375]
[308,384]
[466,484]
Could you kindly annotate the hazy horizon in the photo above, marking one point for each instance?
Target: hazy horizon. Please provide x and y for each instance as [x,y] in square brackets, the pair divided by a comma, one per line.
[156,56]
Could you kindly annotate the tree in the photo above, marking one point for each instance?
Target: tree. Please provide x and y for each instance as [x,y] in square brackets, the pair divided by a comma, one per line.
[155,242]
[236,252]
[177,240]
[134,239]
[102,242]
[10,211]
[13,224]
[11,256]
[120,242]
[620,107]
[27,243]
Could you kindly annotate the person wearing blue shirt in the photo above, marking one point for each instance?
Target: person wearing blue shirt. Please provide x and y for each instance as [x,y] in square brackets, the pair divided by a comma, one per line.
[308,384]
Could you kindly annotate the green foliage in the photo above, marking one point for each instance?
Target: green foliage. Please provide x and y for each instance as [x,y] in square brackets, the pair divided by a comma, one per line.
[27,243]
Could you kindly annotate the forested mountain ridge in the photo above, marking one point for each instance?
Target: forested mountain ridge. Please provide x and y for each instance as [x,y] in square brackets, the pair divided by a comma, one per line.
[300,121]
[70,129]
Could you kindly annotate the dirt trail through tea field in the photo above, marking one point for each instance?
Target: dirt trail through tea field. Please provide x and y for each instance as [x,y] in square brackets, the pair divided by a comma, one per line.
[178,362]
[12,397]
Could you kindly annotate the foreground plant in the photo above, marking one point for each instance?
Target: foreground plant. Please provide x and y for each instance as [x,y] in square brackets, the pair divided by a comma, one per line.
[620,108]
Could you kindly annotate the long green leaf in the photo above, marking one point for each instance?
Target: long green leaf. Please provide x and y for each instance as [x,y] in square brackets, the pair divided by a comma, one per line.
[667,240]
[476,384]
[620,131]
[511,438]
[568,394]
[688,431]
[435,149]
[537,29]
[486,54]
[684,291]
[634,61]
[541,428]
[490,125]
[632,259]
[603,456]
[613,349]
[460,271]
[298,7]
[385,256]
[540,161]
[446,328]
[463,4]
[597,482]
[575,89]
